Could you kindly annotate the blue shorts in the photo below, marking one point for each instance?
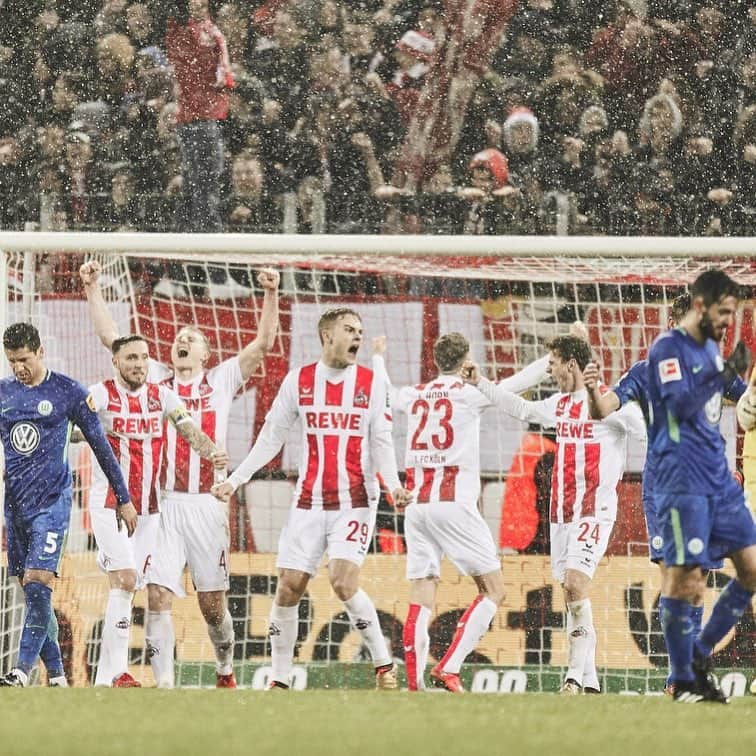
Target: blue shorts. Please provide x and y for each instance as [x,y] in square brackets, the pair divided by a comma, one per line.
[655,534]
[37,541]
[700,530]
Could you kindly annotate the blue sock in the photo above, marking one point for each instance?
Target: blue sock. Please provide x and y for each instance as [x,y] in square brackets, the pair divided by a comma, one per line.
[731,604]
[677,624]
[50,651]
[36,622]
[696,616]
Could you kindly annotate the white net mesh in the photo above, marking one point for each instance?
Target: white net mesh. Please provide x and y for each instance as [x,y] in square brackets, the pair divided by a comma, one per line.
[509,307]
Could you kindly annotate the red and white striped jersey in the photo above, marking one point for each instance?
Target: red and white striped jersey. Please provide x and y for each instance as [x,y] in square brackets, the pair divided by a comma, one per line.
[590,455]
[133,423]
[346,436]
[208,399]
[442,458]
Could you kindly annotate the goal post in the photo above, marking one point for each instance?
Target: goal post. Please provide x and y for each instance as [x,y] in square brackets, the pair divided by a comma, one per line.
[509,295]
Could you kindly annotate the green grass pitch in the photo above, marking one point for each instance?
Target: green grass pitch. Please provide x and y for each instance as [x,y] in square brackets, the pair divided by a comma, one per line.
[51,722]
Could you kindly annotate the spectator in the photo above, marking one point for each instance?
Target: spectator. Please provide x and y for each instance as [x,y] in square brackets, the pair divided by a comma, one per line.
[197,50]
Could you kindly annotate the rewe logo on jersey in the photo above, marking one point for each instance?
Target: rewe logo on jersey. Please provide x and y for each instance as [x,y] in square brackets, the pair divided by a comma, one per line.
[24,437]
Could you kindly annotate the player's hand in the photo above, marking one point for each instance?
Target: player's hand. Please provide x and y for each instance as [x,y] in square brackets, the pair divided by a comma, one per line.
[269,279]
[90,272]
[578,330]
[470,372]
[402,498]
[222,491]
[220,459]
[738,362]
[126,514]
[379,345]
[591,376]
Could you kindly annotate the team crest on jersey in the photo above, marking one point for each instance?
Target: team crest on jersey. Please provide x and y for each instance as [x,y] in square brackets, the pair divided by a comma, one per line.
[24,437]
[562,405]
[361,399]
[45,407]
[153,404]
[713,409]
[205,389]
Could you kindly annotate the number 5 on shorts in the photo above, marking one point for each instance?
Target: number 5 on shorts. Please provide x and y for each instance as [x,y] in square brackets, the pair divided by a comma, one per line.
[51,542]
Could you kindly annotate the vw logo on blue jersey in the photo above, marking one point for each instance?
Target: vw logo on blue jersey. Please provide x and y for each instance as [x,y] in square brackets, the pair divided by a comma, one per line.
[713,409]
[24,437]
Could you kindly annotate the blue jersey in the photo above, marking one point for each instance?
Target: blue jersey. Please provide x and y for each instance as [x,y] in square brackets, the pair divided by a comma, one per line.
[633,387]
[686,385]
[35,427]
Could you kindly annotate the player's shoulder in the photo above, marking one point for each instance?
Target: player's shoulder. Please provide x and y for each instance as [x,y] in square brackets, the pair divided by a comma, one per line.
[65,382]
[669,342]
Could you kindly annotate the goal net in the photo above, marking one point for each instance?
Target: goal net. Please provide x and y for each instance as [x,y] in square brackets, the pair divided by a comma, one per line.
[510,297]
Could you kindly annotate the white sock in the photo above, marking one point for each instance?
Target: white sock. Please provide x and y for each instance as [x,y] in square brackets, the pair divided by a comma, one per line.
[222,637]
[160,640]
[590,674]
[282,631]
[364,618]
[471,628]
[416,645]
[579,632]
[114,648]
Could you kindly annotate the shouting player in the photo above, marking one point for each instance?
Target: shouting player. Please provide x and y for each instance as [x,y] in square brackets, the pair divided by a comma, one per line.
[37,411]
[442,462]
[589,463]
[132,412]
[346,441]
[194,528]
[701,508]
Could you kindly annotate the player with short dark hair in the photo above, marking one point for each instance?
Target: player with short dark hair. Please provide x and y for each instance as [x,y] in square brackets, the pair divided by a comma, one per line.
[588,465]
[38,408]
[701,508]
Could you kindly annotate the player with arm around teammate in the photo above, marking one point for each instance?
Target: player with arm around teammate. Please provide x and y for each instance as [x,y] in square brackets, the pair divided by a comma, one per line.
[442,462]
[701,508]
[133,411]
[346,441]
[38,408]
[194,530]
[588,465]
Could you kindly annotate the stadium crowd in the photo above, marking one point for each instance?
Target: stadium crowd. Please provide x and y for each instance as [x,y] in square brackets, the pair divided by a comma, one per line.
[620,117]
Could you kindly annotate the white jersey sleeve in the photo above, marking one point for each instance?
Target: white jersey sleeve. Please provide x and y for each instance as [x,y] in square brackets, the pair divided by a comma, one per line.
[99,396]
[630,419]
[278,422]
[531,375]
[381,440]
[542,412]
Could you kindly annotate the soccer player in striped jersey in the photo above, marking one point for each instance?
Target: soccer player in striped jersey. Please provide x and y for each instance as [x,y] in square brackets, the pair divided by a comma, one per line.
[133,412]
[442,463]
[701,508]
[38,408]
[346,435]
[194,530]
[589,463]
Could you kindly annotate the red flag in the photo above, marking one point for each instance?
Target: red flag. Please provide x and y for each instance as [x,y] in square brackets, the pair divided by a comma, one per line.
[473,31]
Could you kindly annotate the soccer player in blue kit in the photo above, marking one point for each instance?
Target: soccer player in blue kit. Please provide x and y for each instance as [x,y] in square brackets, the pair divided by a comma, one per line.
[37,410]
[633,386]
[701,508]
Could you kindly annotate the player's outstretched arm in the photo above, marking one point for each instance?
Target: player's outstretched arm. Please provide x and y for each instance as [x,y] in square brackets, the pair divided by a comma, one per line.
[600,405]
[511,403]
[253,353]
[105,326]
[379,368]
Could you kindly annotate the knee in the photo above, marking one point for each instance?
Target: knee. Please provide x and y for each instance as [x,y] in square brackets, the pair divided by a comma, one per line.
[344,587]
[213,608]
[287,594]
[747,578]
[574,589]
[159,598]
[124,580]
[685,585]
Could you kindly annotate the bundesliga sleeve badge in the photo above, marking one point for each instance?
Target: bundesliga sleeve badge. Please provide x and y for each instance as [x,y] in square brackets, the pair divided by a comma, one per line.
[669,370]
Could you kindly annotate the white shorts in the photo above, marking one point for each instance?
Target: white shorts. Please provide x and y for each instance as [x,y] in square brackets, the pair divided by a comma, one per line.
[116,551]
[310,533]
[193,532]
[448,528]
[578,545]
